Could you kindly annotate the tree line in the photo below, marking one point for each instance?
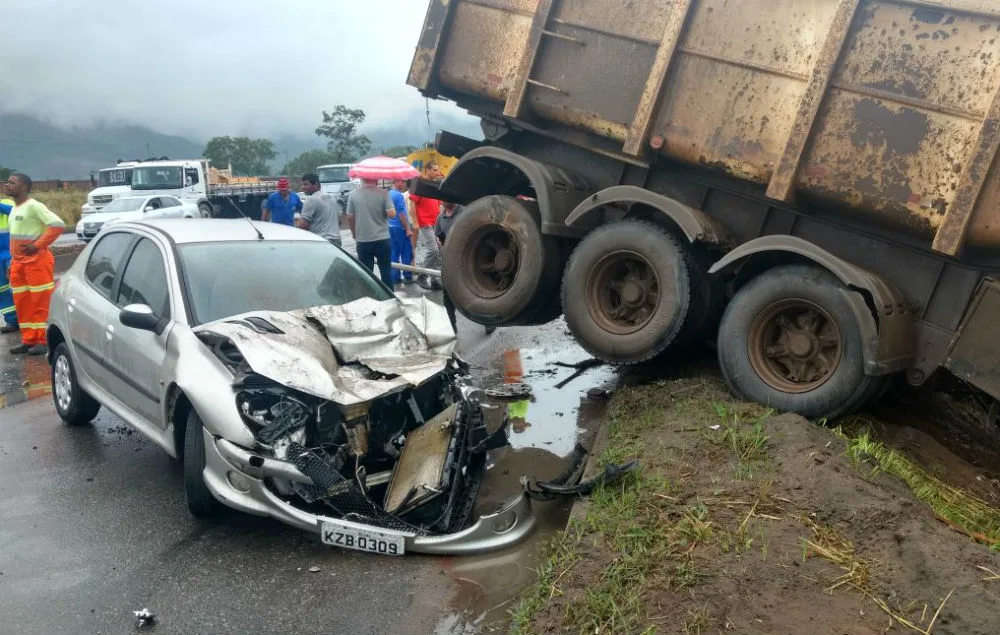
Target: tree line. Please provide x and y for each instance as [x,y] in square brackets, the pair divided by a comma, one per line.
[345,144]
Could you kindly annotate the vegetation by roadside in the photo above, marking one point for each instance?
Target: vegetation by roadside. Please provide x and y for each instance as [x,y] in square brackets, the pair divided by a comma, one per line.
[65,203]
[743,521]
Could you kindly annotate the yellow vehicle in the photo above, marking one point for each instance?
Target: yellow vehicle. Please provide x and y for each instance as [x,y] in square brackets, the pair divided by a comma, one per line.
[420,158]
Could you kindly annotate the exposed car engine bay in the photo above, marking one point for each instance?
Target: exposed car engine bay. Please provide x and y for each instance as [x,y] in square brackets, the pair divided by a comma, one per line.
[363,413]
[389,463]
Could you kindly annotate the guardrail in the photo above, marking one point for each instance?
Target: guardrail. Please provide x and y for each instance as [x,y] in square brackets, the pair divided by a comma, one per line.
[421,270]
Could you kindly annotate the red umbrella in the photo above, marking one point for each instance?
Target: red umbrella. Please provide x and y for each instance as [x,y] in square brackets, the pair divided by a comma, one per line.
[383,168]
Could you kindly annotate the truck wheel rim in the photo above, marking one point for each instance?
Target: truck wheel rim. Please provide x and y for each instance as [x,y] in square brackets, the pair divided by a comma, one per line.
[623,293]
[63,386]
[493,260]
[795,346]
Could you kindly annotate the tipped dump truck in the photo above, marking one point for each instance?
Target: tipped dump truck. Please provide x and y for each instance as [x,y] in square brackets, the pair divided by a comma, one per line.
[811,184]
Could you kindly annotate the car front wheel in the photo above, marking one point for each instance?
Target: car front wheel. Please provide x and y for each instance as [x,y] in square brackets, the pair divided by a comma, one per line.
[201,503]
[75,407]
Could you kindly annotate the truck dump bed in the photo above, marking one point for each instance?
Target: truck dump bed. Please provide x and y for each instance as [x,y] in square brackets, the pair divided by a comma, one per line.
[886,110]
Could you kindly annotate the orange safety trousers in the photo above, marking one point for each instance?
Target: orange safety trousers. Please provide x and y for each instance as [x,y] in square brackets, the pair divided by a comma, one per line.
[32,280]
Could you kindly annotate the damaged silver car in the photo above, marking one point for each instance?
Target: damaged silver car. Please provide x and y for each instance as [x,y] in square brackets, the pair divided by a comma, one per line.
[289,381]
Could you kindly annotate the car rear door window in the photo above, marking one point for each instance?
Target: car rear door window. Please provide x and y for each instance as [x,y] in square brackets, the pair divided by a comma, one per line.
[106,260]
[145,280]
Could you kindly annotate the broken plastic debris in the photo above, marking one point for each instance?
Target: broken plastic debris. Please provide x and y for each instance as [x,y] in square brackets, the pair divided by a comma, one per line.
[509,391]
[715,427]
[143,617]
[314,569]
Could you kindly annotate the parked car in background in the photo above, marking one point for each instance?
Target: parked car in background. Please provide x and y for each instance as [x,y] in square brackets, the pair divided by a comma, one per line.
[329,404]
[134,208]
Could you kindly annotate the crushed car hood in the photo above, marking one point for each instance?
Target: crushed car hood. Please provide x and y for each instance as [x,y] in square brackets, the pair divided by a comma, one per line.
[347,354]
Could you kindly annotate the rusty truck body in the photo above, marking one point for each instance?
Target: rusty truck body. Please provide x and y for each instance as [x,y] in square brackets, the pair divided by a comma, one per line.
[812,184]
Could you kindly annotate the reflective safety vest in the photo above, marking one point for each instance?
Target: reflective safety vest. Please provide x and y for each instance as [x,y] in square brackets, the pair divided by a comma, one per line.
[5,206]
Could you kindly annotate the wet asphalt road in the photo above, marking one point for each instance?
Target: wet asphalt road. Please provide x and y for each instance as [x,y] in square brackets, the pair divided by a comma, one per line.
[93,524]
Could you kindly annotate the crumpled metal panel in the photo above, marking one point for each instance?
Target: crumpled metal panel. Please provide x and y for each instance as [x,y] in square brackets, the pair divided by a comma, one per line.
[409,340]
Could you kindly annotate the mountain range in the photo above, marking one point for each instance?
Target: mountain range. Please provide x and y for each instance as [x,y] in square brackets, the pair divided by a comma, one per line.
[45,150]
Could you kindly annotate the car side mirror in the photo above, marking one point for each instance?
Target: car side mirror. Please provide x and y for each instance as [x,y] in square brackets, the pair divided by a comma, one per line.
[149,208]
[141,317]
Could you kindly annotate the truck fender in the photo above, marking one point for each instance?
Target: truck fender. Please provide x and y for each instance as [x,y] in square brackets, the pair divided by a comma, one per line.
[887,324]
[696,225]
[490,170]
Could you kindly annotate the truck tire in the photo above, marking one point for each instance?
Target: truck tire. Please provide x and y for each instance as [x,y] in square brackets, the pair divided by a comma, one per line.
[627,291]
[497,265]
[789,340]
[206,210]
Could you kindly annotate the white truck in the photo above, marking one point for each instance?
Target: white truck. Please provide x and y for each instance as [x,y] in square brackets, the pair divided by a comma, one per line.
[335,182]
[111,183]
[215,192]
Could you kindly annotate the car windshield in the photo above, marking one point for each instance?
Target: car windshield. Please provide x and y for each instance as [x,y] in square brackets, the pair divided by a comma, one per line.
[127,204]
[224,279]
[114,177]
[158,177]
[334,174]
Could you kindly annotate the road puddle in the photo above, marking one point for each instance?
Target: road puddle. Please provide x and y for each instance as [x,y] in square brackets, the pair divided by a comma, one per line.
[543,431]
[23,379]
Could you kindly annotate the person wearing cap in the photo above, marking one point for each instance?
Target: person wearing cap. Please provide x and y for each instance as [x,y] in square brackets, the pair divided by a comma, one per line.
[281,206]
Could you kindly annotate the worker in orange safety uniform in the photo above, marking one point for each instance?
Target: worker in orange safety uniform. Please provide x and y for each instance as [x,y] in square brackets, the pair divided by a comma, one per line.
[33,227]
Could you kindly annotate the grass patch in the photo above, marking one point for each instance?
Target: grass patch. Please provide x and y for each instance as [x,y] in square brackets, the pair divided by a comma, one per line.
[960,509]
[741,428]
[65,203]
[697,622]
[826,543]
[562,558]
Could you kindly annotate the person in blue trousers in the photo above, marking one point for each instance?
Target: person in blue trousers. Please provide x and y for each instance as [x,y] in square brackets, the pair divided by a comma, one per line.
[400,235]
[8,316]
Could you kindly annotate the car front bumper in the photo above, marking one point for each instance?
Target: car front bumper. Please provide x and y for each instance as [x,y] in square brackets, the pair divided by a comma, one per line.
[236,476]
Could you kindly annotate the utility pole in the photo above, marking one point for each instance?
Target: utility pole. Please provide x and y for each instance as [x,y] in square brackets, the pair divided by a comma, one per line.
[147,150]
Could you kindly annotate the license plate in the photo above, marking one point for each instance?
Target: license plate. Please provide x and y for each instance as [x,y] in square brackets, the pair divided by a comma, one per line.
[349,536]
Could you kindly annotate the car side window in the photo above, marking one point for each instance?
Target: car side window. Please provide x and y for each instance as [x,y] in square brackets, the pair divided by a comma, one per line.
[154,203]
[145,280]
[170,201]
[105,261]
[190,176]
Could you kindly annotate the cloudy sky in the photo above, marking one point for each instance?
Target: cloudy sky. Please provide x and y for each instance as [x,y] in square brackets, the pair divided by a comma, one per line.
[203,67]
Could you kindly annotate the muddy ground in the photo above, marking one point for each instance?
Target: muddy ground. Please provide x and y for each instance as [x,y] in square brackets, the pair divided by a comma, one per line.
[744,521]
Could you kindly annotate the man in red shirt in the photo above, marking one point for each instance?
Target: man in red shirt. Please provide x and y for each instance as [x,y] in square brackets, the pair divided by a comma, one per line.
[427,210]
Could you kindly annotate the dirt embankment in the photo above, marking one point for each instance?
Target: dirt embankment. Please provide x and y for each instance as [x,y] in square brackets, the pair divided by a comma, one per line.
[741,521]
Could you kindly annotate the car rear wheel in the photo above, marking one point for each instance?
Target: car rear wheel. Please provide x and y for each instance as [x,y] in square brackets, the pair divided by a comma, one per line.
[74,406]
[201,503]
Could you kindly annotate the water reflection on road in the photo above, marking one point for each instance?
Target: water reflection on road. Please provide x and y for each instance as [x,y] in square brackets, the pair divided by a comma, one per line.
[22,378]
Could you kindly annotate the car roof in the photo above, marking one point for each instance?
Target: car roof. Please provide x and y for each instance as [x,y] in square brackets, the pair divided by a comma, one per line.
[211,230]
